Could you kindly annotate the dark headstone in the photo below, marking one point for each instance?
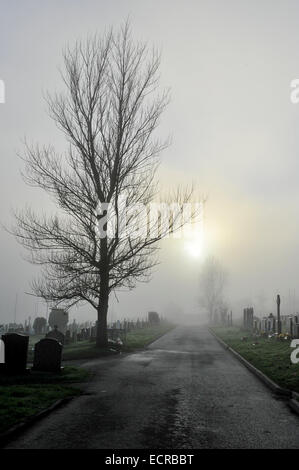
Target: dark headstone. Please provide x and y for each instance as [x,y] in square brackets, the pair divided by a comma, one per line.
[16,349]
[55,334]
[47,355]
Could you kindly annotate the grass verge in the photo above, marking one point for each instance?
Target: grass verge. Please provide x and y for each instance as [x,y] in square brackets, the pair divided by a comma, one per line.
[139,339]
[22,397]
[269,355]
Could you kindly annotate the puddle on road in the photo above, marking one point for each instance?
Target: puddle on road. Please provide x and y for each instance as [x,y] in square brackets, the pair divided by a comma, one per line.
[175,351]
[140,358]
[202,358]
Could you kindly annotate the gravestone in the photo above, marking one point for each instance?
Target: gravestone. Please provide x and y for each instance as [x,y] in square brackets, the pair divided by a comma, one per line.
[67,338]
[55,334]
[47,355]
[153,318]
[258,325]
[278,315]
[16,349]
[245,318]
[290,326]
[271,323]
[248,318]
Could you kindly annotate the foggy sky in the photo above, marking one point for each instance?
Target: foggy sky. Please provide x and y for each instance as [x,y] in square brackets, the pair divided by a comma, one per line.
[234,131]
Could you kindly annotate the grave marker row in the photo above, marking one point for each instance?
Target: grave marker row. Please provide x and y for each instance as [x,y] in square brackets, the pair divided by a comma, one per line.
[47,354]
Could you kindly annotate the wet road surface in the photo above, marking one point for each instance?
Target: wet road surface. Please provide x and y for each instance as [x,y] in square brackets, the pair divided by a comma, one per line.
[185,392]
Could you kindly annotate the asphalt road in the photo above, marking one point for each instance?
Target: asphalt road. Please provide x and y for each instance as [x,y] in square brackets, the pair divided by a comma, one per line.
[184,392]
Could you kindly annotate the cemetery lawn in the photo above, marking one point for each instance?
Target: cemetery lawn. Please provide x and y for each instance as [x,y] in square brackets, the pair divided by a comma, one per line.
[22,397]
[136,339]
[269,355]
[139,339]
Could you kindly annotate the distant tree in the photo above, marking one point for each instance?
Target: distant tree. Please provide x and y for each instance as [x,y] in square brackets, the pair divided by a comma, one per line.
[212,281]
[39,325]
[108,114]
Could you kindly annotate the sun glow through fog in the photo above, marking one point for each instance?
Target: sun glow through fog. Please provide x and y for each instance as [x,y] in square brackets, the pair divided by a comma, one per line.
[193,248]
[193,242]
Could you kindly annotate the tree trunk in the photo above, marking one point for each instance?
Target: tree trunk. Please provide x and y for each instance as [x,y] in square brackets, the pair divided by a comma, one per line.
[102,337]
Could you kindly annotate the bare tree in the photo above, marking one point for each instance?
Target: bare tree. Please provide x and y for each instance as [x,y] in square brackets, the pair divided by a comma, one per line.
[213,278]
[108,112]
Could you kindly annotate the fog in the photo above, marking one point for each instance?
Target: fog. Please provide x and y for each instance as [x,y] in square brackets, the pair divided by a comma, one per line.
[234,133]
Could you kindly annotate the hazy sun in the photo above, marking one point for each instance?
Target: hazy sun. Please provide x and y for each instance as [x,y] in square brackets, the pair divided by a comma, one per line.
[193,239]
[193,247]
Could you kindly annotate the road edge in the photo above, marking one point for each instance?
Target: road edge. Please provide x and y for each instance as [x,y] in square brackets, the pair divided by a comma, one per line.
[160,336]
[14,431]
[293,402]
